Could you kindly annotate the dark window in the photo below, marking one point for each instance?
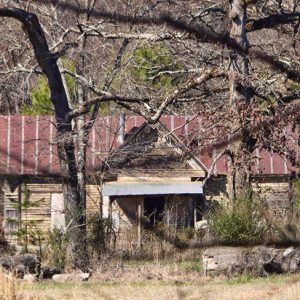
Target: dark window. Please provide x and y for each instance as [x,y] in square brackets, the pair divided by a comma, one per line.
[153,210]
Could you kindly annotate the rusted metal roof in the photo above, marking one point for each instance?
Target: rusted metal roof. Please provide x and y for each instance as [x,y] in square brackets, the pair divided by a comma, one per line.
[28,145]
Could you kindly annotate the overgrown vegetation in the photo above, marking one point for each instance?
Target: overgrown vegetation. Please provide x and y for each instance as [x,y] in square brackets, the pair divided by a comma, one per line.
[28,231]
[289,231]
[101,234]
[56,248]
[167,282]
[3,242]
[240,223]
[8,286]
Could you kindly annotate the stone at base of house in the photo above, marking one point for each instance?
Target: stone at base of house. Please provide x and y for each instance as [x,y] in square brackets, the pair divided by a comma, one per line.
[260,260]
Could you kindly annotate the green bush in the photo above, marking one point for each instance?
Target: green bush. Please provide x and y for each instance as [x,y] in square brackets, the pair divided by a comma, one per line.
[56,246]
[239,224]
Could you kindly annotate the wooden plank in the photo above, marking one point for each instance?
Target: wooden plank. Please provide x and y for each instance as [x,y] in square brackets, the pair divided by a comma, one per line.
[164,172]
[93,199]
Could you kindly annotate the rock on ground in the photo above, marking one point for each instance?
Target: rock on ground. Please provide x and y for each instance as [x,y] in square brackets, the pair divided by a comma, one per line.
[71,277]
[259,259]
[29,278]
[21,264]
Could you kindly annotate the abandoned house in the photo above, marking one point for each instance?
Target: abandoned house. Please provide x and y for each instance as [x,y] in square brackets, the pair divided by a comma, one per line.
[149,175]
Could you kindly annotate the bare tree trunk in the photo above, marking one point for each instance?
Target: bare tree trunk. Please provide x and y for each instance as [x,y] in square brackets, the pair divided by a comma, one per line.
[82,141]
[238,72]
[74,206]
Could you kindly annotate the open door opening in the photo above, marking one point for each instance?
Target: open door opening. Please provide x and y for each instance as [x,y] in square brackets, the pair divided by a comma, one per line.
[153,210]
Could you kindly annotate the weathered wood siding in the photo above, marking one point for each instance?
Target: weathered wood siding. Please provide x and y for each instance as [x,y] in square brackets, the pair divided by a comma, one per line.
[39,213]
[277,194]
[11,214]
[93,199]
[124,213]
[275,191]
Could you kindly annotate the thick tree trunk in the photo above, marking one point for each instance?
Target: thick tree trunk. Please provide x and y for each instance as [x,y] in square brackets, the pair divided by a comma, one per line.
[74,204]
[238,72]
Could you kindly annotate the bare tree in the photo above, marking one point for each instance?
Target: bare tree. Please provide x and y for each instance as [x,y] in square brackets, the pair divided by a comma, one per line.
[73,173]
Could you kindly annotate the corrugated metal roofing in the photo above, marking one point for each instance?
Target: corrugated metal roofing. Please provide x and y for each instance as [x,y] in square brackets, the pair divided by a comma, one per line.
[28,144]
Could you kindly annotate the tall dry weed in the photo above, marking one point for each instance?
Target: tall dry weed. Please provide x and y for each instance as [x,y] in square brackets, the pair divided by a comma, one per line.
[11,288]
[8,286]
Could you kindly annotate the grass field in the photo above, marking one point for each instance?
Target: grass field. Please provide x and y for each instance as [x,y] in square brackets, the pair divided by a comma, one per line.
[281,287]
[148,280]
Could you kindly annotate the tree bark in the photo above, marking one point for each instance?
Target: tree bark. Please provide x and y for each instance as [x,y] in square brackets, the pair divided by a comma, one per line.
[240,96]
[74,205]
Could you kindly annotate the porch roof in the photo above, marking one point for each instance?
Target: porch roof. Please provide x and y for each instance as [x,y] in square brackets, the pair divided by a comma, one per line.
[132,189]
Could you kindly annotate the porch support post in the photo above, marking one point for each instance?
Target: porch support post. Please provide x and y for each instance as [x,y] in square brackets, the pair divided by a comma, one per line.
[140,209]
[105,206]
[195,211]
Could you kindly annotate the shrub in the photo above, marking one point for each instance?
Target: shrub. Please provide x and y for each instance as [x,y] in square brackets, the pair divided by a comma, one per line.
[56,244]
[239,224]
[101,233]
[3,243]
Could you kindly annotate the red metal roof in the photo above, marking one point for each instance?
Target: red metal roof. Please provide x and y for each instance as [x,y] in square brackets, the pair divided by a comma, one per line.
[28,145]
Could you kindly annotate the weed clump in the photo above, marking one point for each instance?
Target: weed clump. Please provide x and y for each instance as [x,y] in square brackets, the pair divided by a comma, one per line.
[101,234]
[56,247]
[241,223]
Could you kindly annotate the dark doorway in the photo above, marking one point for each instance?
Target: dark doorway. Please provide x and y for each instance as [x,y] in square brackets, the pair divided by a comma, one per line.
[153,210]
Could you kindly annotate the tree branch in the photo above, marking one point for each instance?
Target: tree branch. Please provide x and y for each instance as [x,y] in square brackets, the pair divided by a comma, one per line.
[272,21]
[45,59]
[200,33]
[206,75]
[106,98]
[152,37]
[213,164]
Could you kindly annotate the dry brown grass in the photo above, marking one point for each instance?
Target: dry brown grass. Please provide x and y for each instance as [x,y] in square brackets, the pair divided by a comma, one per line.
[11,288]
[149,281]
[8,286]
[285,287]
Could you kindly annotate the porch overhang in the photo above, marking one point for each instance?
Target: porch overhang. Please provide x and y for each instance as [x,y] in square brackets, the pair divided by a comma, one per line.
[135,189]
